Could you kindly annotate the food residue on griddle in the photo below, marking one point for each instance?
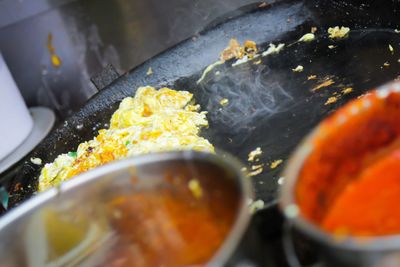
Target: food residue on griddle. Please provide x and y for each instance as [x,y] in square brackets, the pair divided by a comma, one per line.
[55,59]
[151,121]
[276,163]
[326,83]
[234,50]
[224,102]
[391,49]
[314,29]
[308,37]
[338,32]
[254,206]
[36,161]
[331,46]
[396,31]
[254,154]
[208,69]
[299,68]
[312,77]
[331,100]
[149,71]
[347,90]
[273,49]
[256,171]
[386,64]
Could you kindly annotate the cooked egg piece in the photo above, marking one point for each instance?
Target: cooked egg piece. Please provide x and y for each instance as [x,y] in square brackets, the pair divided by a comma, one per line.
[152,121]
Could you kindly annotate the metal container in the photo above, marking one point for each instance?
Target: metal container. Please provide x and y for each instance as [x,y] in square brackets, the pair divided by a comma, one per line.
[346,250]
[70,225]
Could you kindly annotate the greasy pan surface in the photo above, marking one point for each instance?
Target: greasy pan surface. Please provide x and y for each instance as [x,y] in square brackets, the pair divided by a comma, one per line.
[270,106]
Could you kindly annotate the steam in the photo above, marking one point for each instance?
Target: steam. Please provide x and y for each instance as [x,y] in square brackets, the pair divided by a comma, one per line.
[254,95]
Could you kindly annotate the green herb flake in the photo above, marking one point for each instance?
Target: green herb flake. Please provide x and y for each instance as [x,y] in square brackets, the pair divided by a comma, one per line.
[72,154]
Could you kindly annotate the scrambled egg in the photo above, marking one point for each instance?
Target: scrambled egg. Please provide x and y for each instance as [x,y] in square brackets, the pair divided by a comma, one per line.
[152,121]
[338,33]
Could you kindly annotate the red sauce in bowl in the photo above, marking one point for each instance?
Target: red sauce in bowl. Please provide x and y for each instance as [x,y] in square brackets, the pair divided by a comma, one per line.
[350,182]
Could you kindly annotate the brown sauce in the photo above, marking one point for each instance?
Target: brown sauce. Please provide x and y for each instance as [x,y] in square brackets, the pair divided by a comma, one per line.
[172,225]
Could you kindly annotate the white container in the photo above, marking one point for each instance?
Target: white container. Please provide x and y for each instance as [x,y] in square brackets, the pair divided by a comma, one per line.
[15,119]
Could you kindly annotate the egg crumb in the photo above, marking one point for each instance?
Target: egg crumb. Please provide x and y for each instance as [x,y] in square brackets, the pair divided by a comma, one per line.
[273,49]
[312,77]
[254,154]
[195,187]
[338,32]
[299,68]
[326,83]
[331,46]
[149,71]
[347,90]
[224,102]
[256,172]
[276,163]
[36,161]
[308,37]
[386,64]
[254,206]
[331,100]
[391,49]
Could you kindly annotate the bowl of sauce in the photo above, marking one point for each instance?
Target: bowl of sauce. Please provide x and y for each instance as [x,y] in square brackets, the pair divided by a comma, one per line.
[342,183]
[168,209]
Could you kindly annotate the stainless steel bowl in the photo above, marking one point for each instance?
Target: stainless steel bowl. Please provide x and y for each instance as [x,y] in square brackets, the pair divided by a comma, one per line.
[346,251]
[68,225]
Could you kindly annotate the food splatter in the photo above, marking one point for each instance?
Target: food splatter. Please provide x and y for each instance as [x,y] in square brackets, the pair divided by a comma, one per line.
[391,49]
[386,64]
[308,37]
[314,29]
[55,59]
[256,172]
[331,100]
[299,68]
[338,32]
[331,46]
[326,83]
[275,163]
[254,154]
[224,102]
[273,49]
[149,71]
[347,90]
[36,161]
[254,206]
[312,77]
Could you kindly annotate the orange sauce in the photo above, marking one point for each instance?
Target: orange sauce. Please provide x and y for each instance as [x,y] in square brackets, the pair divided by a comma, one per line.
[350,183]
[170,226]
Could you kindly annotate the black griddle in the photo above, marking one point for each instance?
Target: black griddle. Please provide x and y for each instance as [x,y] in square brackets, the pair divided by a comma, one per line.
[270,106]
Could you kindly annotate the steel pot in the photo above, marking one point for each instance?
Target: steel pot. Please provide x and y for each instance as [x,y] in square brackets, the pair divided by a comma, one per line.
[70,225]
[345,250]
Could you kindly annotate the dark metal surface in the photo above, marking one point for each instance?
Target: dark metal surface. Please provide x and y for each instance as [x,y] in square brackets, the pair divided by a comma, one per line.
[270,105]
[87,36]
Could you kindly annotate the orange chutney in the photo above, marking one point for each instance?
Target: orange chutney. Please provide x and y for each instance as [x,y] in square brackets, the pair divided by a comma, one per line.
[172,225]
[350,182]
